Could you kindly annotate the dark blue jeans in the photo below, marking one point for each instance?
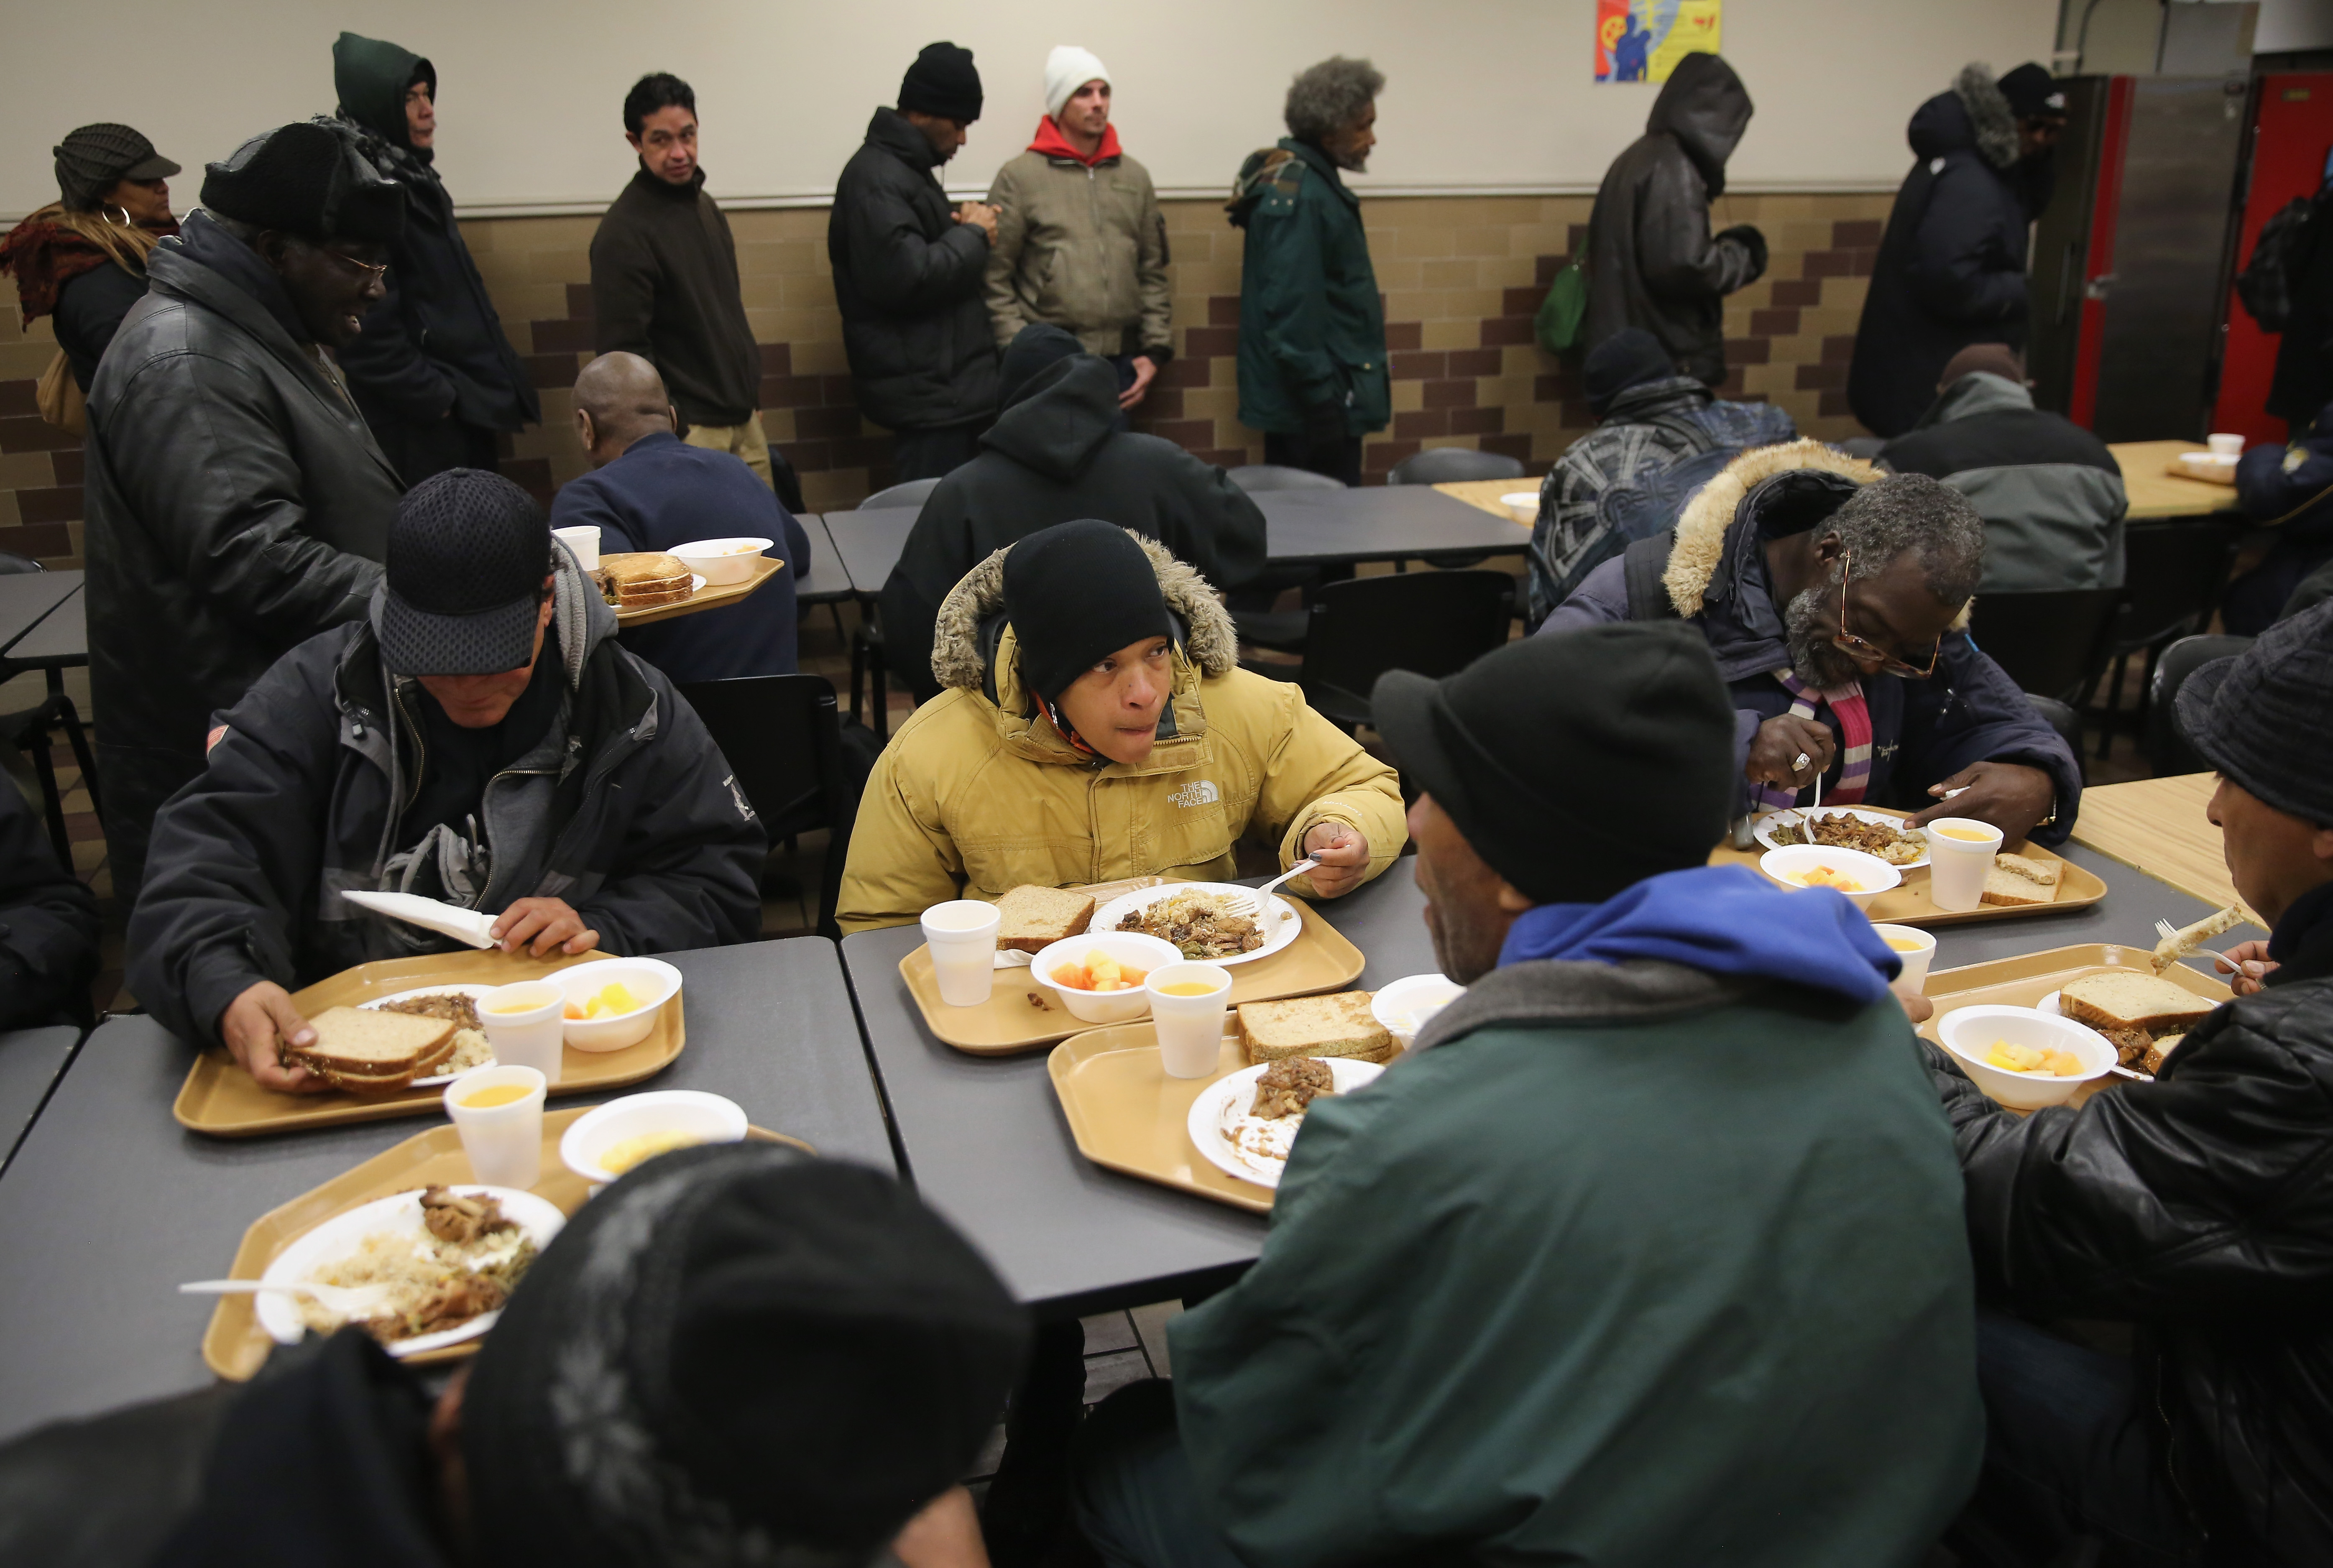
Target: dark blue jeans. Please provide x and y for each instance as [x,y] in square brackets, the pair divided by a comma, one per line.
[1133,1492]
[2071,1456]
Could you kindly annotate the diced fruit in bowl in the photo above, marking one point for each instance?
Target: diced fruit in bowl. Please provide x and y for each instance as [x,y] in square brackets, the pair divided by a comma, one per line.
[612,1000]
[1101,972]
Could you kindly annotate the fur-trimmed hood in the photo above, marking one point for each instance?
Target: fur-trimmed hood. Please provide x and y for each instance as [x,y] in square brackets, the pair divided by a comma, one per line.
[1973,115]
[1700,530]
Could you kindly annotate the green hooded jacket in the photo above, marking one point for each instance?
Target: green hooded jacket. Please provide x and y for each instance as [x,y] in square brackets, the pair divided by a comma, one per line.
[1624,1263]
[1311,325]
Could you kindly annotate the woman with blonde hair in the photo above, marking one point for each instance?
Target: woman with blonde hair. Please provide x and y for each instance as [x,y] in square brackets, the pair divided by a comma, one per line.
[81,259]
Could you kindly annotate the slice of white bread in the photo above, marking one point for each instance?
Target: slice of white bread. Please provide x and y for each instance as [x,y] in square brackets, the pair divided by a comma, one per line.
[2121,1000]
[1031,919]
[646,578]
[2040,874]
[362,1048]
[2016,880]
[1338,1025]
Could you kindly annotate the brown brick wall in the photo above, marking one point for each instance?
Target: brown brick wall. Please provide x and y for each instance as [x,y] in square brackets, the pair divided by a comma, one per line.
[1462,276]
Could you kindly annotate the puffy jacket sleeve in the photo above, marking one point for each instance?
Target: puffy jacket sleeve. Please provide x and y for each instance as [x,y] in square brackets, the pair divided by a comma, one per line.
[388,365]
[1283,267]
[1961,268]
[90,310]
[688,874]
[1314,773]
[1674,252]
[194,446]
[1972,712]
[938,552]
[2202,1193]
[892,264]
[623,288]
[2269,490]
[233,862]
[1602,596]
[49,926]
[1157,337]
[1217,527]
[1005,312]
[903,861]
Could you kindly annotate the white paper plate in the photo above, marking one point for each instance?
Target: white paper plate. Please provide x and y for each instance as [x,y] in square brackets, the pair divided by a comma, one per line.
[472,992]
[1220,1113]
[1765,828]
[696,584]
[396,1214]
[1281,921]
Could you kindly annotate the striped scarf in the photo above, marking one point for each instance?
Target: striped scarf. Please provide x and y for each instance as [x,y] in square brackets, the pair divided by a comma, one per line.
[1854,717]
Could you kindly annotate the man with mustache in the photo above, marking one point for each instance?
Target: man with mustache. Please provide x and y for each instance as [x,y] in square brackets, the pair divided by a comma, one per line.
[1836,601]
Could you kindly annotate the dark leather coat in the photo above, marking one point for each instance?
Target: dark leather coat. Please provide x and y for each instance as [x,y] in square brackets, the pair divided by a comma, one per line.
[1651,261]
[2199,1206]
[237,505]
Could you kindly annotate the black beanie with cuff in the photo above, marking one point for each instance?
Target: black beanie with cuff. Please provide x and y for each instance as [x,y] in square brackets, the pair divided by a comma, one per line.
[1076,593]
[943,82]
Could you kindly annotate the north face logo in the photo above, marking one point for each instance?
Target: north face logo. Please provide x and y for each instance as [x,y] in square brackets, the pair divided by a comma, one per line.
[1201,793]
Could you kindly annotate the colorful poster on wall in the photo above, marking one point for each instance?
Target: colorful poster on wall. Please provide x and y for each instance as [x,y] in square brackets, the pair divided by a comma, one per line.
[1642,40]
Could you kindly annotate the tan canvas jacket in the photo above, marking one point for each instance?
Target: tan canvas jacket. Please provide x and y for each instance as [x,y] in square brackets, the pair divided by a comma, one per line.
[1082,248]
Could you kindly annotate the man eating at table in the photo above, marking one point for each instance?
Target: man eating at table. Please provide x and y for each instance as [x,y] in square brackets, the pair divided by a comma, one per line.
[1650,1251]
[2196,1206]
[1836,601]
[1095,725]
[482,740]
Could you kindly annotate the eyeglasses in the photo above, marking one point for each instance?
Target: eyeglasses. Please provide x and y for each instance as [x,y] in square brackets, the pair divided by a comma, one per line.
[1864,651]
[371,272]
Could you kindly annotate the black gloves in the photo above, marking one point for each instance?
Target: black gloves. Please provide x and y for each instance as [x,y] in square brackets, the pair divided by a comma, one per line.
[1754,243]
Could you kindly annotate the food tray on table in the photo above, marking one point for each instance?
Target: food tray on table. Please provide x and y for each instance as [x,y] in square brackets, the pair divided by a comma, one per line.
[1318,959]
[219,1097]
[704,596]
[2024,981]
[1908,904]
[1126,1115]
[234,1345]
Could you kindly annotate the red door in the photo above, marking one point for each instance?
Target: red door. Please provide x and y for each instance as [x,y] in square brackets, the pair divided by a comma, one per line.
[2291,144]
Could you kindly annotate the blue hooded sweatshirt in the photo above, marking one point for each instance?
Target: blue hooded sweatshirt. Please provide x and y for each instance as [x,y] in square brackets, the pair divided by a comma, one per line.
[1724,920]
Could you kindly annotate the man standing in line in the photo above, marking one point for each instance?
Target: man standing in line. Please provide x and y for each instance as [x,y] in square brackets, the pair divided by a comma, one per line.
[907,270]
[1079,243]
[1313,372]
[1652,262]
[664,279]
[436,378]
[237,504]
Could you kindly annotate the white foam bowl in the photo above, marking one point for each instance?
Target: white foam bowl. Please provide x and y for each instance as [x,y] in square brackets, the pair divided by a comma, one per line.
[720,561]
[1132,949]
[1789,864]
[1405,1005]
[710,1117]
[652,978]
[1968,1033]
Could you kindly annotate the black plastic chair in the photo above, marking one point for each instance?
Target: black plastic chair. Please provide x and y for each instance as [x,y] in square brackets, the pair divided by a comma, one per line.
[783,737]
[1453,465]
[2174,574]
[2051,644]
[911,492]
[29,732]
[1257,478]
[2162,740]
[1435,623]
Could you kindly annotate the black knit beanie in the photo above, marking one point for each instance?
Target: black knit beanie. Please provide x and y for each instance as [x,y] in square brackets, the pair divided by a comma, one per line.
[1033,348]
[1628,358]
[2260,718]
[739,1353]
[95,158]
[307,180]
[1077,592]
[2034,93]
[943,82]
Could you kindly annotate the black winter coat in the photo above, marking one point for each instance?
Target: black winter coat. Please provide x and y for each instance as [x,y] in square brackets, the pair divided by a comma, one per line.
[626,809]
[1951,269]
[2303,382]
[90,309]
[237,505]
[908,279]
[1651,261]
[49,927]
[1056,456]
[2198,1206]
[664,286]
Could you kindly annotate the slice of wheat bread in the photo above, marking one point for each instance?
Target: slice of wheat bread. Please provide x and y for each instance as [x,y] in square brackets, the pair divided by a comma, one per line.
[2040,874]
[2014,889]
[1031,919]
[1338,1025]
[369,1044]
[2120,999]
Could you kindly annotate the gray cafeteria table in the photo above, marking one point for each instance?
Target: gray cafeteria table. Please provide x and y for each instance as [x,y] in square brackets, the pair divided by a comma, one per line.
[1375,523]
[826,581]
[109,1203]
[26,597]
[30,1061]
[57,642]
[987,1144]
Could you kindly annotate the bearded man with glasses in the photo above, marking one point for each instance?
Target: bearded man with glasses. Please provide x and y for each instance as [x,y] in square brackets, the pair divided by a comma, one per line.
[237,504]
[1836,600]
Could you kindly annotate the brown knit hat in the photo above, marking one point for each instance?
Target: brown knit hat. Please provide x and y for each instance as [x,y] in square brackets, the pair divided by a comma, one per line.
[93,158]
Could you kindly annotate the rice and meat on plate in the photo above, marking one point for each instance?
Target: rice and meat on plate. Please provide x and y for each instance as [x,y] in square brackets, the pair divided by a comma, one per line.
[466,1262]
[1840,831]
[1198,924]
[470,1047]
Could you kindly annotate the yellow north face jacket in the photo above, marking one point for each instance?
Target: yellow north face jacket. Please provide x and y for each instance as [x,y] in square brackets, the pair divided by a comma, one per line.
[974,796]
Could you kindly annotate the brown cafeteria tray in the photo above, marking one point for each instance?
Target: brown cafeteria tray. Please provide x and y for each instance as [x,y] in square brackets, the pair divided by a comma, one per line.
[1318,959]
[2024,980]
[710,597]
[219,1097]
[234,1344]
[1128,1116]
[1908,904]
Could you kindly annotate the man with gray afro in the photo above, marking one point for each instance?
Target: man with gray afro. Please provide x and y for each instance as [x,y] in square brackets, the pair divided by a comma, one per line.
[1836,602]
[1313,372]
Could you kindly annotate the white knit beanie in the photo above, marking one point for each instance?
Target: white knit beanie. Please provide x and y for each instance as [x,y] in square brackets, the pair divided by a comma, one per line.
[1067,69]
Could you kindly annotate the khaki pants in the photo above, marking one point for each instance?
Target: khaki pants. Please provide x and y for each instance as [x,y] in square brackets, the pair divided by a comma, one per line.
[745,441]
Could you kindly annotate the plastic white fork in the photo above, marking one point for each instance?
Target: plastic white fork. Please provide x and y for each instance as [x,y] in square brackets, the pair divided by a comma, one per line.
[1253,908]
[347,1299]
